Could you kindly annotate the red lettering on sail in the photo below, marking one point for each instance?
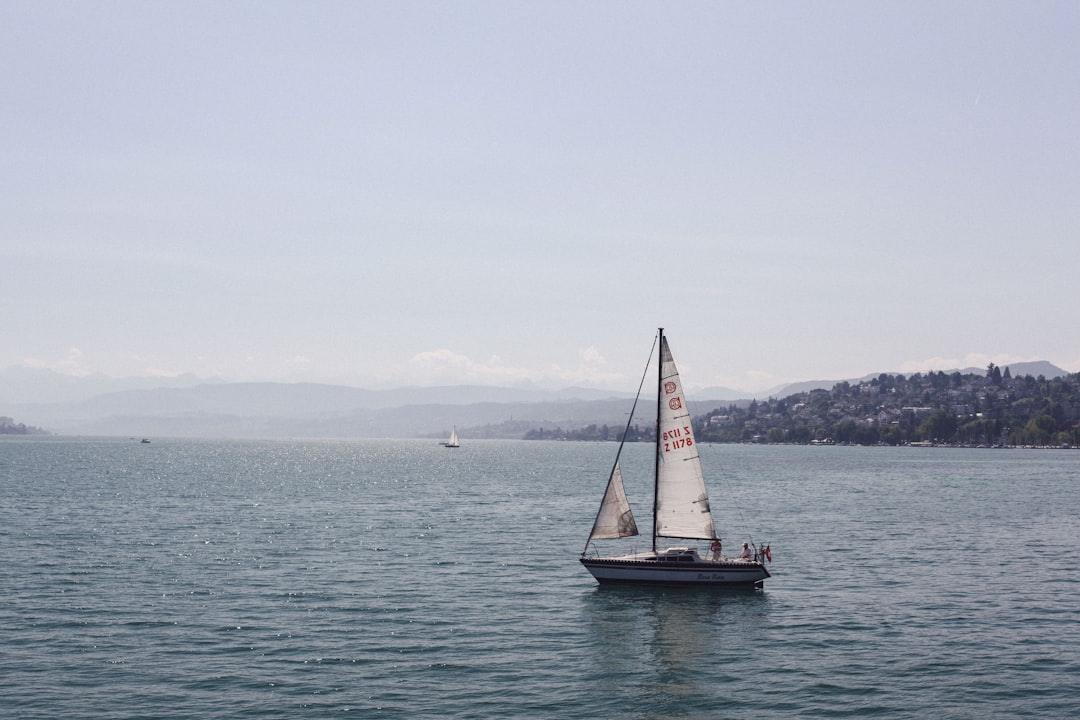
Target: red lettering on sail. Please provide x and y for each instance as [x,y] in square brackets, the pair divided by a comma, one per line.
[678,444]
[675,433]
[675,403]
[669,387]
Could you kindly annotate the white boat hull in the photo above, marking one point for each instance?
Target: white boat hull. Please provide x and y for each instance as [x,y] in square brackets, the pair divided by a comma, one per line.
[649,570]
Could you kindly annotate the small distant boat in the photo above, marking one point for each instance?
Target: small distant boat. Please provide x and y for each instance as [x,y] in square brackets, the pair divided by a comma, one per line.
[144,440]
[680,508]
[453,441]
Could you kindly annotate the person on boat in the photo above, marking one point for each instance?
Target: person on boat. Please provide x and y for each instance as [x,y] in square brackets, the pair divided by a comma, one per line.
[745,554]
[716,547]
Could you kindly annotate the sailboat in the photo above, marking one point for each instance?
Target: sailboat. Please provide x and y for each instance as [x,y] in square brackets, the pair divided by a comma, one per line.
[453,441]
[681,508]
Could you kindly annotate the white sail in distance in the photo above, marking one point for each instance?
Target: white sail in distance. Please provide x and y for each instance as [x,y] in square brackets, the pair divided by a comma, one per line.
[682,503]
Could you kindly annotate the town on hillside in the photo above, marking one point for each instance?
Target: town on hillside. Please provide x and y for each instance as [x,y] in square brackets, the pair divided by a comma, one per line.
[936,408]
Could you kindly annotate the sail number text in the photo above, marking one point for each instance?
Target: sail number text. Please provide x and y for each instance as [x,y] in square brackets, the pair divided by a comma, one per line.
[678,438]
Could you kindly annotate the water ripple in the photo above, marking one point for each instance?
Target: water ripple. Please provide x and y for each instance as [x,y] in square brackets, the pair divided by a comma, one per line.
[397,580]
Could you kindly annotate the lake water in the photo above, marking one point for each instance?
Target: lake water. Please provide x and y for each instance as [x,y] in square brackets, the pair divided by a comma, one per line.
[400,579]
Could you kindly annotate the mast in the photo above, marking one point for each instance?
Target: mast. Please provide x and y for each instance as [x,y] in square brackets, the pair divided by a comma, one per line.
[656,465]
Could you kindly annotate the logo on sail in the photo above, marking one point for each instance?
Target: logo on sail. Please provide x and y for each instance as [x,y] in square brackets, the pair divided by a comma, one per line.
[669,387]
[675,403]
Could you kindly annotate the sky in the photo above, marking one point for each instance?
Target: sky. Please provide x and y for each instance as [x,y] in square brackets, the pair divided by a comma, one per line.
[425,193]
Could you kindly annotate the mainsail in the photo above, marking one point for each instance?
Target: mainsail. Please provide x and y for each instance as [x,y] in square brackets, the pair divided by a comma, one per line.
[682,503]
[614,519]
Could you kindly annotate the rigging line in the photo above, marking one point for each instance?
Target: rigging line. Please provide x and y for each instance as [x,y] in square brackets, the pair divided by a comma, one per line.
[637,397]
[626,430]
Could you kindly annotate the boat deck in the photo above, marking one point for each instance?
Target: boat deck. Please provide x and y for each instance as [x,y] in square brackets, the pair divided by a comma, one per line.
[679,555]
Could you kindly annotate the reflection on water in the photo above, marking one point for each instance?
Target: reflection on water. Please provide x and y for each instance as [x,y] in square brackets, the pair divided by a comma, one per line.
[672,648]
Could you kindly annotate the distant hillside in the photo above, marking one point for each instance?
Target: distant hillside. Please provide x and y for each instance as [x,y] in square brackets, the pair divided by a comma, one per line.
[976,409]
[20,385]
[1034,369]
[35,386]
[317,410]
[719,392]
[313,410]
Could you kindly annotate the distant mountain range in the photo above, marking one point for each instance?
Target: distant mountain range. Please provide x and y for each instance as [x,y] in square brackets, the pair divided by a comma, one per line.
[1035,369]
[190,407]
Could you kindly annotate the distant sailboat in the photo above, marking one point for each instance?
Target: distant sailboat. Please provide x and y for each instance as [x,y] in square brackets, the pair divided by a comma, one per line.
[453,441]
[680,508]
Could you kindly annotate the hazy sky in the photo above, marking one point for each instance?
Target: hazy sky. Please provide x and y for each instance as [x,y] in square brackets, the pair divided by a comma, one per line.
[386,193]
